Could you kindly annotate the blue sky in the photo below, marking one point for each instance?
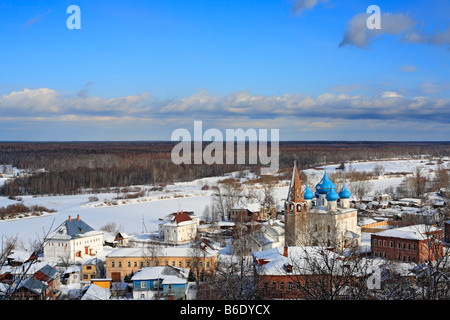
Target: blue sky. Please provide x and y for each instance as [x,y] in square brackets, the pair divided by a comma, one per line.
[137,70]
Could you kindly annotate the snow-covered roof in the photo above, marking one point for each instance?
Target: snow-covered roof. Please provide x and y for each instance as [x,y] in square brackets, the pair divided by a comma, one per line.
[19,255]
[415,232]
[161,252]
[173,280]
[300,258]
[253,207]
[176,275]
[71,229]
[95,292]
[73,269]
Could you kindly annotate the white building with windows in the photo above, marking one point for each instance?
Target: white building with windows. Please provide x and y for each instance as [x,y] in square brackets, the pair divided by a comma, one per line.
[73,239]
[179,227]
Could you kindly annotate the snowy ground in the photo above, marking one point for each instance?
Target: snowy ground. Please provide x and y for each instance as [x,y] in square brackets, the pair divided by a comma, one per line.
[141,215]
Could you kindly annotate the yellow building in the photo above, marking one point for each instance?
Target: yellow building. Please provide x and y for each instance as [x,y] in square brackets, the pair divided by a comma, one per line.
[126,261]
[104,283]
[92,269]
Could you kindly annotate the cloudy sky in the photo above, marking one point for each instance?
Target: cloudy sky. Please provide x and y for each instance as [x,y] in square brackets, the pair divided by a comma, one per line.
[139,69]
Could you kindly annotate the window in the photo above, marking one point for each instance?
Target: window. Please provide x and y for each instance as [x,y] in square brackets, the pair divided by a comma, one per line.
[129,264]
[135,264]
[281,286]
[179,264]
[391,244]
[274,285]
[290,285]
[375,242]
[112,264]
[120,264]
[298,285]
[143,284]
[399,245]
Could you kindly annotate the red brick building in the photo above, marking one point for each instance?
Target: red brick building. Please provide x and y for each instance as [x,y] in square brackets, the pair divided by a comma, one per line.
[295,272]
[415,243]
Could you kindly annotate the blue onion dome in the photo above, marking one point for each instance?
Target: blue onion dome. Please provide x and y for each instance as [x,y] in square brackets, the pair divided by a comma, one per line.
[344,194]
[308,195]
[332,195]
[325,185]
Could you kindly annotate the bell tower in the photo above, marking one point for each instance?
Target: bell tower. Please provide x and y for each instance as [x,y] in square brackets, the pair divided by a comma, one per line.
[296,218]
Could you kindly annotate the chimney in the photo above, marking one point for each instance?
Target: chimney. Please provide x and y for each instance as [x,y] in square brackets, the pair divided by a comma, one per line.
[70,218]
[285,252]
[78,217]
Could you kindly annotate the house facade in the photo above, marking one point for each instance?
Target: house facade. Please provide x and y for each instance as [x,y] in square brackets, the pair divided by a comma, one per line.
[417,243]
[42,285]
[247,213]
[73,238]
[162,282]
[126,261]
[292,272]
[92,269]
[179,227]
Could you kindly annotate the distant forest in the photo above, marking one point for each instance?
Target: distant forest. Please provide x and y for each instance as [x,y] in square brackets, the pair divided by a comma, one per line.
[73,167]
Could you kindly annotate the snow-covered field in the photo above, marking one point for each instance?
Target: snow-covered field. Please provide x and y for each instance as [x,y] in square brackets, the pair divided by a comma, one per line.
[131,217]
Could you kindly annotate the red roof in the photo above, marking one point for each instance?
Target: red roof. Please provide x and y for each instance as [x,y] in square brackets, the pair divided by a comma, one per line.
[181,217]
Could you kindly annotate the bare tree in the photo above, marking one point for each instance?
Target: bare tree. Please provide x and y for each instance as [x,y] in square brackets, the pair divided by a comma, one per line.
[267,199]
[226,195]
[361,188]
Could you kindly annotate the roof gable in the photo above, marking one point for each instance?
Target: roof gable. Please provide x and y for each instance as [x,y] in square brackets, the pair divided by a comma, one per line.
[76,227]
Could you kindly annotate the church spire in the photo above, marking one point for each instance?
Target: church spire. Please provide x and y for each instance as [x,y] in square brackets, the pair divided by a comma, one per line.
[295,193]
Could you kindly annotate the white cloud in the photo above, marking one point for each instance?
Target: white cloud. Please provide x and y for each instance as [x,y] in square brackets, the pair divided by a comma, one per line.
[301,5]
[44,103]
[406,28]
[392,24]
[391,94]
